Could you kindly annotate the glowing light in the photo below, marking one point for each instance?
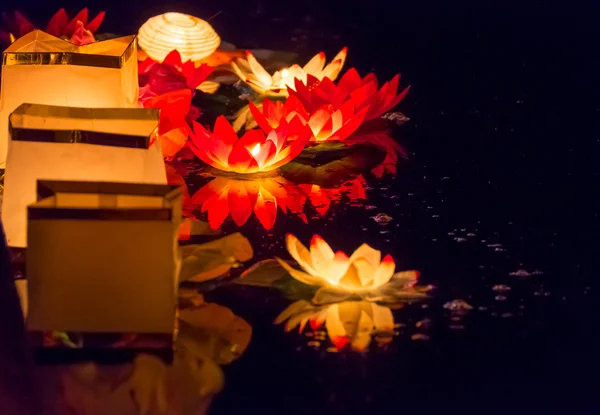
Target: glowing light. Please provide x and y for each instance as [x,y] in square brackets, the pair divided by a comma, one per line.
[364,270]
[254,152]
[194,38]
[255,75]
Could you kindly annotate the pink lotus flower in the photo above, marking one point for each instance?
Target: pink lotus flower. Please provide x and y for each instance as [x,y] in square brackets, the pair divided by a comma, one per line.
[326,123]
[255,151]
[363,92]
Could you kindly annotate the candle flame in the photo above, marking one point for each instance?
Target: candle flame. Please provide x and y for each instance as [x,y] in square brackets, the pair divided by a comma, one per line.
[255,149]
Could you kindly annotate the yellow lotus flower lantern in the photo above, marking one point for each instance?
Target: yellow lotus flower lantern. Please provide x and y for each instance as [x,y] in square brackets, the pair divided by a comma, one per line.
[363,275]
[193,38]
[255,75]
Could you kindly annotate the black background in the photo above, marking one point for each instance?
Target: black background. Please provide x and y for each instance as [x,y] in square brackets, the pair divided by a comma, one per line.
[504,100]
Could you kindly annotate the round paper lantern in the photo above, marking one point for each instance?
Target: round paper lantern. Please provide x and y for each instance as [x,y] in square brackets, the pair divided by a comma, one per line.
[194,38]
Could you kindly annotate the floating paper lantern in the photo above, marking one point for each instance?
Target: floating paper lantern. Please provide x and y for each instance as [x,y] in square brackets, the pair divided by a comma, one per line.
[42,69]
[224,196]
[363,92]
[254,152]
[326,123]
[62,143]
[103,257]
[193,38]
[255,75]
[348,324]
[364,270]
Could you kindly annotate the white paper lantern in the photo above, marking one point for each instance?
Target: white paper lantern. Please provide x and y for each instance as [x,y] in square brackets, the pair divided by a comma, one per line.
[103,257]
[42,69]
[193,38]
[62,143]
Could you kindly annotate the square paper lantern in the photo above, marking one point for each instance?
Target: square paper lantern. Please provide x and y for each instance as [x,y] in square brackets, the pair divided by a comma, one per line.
[103,257]
[62,143]
[42,69]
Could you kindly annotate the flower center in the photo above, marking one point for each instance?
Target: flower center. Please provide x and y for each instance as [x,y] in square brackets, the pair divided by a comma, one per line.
[255,149]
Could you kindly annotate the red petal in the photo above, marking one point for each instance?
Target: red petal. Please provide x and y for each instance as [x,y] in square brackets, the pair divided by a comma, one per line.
[266,209]
[57,23]
[225,131]
[199,75]
[350,126]
[173,58]
[241,160]
[82,16]
[94,25]
[260,118]
[239,202]
[23,24]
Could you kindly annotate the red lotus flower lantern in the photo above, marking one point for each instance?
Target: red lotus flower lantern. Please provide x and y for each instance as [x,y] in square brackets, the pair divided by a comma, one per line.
[326,123]
[362,92]
[254,152]
[173,129]
[171,74]
[59,25]
[224,196]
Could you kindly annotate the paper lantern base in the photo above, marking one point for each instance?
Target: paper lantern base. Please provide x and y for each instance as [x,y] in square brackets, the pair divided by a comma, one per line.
[101,347]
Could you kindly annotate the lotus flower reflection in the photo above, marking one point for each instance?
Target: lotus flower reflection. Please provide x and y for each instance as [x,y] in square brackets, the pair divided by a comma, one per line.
[364,274]
[255,75]
[363,92]
[224,196]
[254,152]
[326,123]
[348,324]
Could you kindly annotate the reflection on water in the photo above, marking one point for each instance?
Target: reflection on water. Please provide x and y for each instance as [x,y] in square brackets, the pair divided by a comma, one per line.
[209,336]
[350,323]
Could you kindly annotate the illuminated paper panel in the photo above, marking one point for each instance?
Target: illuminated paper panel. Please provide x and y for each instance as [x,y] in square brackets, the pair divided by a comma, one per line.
[103,257]
[42,69]
[62,143]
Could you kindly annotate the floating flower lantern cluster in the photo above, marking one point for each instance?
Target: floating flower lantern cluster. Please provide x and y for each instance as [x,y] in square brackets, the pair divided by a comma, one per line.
[193,38]
[60,25]
[254,152]
[255,75]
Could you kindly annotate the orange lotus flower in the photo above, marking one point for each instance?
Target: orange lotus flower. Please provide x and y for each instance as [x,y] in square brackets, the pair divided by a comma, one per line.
[255,75]
[363,92]
[173,129]
[254,152]
[59,25]
[223,196]
[326,123]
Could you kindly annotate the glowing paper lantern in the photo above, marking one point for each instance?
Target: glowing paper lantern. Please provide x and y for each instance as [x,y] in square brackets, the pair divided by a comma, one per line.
[326,123]
[193,38]
[252,153]
[42,69]
[364,270]
[363,92]
[103,257]
[255,75]
[62,143]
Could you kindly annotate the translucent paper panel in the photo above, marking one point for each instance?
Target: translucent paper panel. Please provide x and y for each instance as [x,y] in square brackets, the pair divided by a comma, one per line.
[42,69]
[96,266]
[60,143]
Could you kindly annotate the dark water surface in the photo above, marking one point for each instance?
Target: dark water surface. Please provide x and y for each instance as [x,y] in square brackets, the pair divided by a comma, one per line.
[496,205]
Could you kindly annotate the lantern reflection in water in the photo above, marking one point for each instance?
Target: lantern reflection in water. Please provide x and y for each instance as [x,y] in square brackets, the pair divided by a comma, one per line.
[239,198]
[347,324]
